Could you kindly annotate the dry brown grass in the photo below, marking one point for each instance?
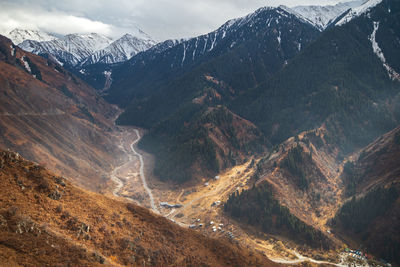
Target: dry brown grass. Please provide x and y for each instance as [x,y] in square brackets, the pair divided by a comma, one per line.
[86,229]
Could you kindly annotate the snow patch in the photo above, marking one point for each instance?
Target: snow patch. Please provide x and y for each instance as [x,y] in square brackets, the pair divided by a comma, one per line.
[279,38]
[26,64]
[184,53]
[378,51]
[213,42]
[109,80]
[205,45]
[195,48]
[12,51]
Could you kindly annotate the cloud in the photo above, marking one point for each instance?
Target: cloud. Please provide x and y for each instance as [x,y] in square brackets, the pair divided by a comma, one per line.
[54,21]
[162,19]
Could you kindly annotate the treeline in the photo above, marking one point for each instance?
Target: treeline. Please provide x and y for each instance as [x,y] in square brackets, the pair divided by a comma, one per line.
[356,218]
[258,207]
[295,163]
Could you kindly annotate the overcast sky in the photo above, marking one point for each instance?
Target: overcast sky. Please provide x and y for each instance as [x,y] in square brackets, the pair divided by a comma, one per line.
[161,19]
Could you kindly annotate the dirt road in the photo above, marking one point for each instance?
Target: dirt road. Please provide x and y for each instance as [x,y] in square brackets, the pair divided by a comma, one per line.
[121,174]
[142,175]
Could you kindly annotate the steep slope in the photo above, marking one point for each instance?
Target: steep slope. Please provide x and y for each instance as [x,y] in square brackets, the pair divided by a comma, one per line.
[339,87]
[303,174]
[372,216]
[263,41]
[17,36]
[45,220]
[340,80]
[100,75]
[53,118]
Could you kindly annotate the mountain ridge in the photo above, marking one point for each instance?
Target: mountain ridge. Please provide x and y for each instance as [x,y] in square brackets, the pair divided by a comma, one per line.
[81,49]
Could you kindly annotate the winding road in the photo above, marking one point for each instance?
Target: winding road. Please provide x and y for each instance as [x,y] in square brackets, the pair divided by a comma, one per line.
[142,176]
[301,258]
[120,183]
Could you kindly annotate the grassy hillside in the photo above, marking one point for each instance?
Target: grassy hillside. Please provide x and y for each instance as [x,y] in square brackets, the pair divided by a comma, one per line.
[45,220]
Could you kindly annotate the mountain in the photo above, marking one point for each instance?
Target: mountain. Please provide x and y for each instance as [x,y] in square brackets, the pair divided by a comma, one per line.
[331,101]
[46,220]
[258,36]
[357,11]
[70,49]
[338,80]
[323,16]
[51,117]
[177,85]
[20,35]
[371,214]
[99,75]
[120,50]
[83,49]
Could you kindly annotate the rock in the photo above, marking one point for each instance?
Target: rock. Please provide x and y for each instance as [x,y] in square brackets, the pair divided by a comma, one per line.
[84,231]
[55,195]
[98,258]
[60,181]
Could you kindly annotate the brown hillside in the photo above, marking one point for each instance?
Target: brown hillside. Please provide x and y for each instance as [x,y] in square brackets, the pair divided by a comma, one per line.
[53,118]
[45,220]
[232,136]
[316,199]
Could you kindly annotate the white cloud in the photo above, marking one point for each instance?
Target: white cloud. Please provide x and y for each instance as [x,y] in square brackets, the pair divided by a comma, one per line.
[161,19]
[12,17]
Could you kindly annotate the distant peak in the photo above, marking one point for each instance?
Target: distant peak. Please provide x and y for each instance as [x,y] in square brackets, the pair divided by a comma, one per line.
[19,35]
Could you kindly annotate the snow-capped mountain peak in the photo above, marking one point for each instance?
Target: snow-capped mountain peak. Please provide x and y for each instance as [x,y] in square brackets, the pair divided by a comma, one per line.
[322,16]
[20,35]
[358,10]
[91,42]
[122,49]
[82,49]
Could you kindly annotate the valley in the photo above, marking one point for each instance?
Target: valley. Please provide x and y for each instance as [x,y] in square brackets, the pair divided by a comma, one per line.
[272,140]
[200,206]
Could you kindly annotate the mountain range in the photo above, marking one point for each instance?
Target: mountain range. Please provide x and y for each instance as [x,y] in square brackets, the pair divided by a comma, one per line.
[82,49]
